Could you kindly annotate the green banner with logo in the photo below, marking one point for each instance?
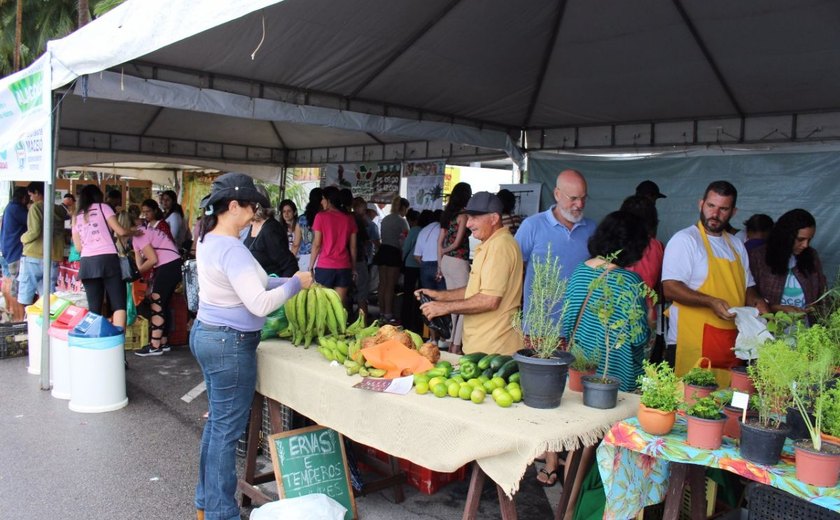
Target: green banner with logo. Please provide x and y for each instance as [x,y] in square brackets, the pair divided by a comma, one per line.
[25,124]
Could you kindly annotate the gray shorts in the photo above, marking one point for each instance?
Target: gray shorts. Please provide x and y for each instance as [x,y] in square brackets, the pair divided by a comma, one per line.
[12,272]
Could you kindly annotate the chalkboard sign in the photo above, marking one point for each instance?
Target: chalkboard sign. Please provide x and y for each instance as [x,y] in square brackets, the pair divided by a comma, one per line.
[312,460]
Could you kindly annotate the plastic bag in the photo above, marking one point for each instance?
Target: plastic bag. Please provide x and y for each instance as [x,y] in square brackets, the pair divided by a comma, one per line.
[752,332]
[317,506]
[130,309]
[274,323]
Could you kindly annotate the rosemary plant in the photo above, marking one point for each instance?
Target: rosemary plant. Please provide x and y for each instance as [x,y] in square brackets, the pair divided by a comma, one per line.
[543,321]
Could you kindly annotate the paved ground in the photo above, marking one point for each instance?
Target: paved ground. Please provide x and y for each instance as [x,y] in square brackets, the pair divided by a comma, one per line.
[139,462]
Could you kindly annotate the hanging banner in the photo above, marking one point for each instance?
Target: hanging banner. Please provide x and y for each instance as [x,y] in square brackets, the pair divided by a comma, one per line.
[424,184]
[25,124]
[527,198]
[374,182]
[451,177]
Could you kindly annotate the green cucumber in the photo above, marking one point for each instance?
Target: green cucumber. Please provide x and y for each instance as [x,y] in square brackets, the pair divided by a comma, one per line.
[497,362]
[507,370]
[475,357]
[484,363]
[488,373]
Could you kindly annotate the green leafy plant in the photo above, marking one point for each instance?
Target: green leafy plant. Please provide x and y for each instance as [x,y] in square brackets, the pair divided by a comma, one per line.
[543,321]
[704,408]
[617,310]
[723,397]
[829,403]
[813,376]
[781,323]
[584,362]
[700,377]
[658,384]
[773,373]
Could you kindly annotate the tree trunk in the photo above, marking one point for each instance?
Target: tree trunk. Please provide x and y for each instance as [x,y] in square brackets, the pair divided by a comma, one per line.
[84,13]
[18,35]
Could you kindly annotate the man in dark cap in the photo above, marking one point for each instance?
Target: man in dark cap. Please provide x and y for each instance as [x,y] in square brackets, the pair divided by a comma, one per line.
[650,190]
[494,289]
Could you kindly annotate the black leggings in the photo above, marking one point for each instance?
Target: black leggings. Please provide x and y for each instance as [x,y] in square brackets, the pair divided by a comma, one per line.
[95,288]
[166,280]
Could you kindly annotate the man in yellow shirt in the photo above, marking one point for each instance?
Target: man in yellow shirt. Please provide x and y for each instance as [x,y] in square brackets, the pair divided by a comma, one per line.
[494,289]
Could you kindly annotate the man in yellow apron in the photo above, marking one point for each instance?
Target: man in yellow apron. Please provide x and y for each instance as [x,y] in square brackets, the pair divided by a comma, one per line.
[705,273]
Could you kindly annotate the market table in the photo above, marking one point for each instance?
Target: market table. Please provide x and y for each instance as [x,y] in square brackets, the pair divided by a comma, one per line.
[439,434]
[636,468]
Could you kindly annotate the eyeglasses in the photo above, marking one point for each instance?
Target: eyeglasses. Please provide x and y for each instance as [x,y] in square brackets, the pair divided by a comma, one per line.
[573,199]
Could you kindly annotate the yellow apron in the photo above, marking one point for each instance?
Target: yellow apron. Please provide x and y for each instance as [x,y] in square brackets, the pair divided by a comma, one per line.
[700,333]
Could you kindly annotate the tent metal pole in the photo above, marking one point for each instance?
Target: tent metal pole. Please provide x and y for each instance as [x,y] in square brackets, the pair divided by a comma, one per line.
[46,285]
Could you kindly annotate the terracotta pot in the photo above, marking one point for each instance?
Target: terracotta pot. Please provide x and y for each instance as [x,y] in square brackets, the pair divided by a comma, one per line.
[830,438]
[693,392]
[656,422]
[741,381]
[575,384]
[705,433]
[817,468]
[732,428]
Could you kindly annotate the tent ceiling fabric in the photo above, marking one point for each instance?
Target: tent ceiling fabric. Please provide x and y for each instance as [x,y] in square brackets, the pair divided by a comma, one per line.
[495,64]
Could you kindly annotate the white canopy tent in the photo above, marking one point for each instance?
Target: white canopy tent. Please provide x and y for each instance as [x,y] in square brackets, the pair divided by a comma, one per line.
[257,85]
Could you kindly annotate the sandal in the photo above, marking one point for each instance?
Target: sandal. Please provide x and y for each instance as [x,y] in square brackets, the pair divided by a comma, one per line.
[550,478]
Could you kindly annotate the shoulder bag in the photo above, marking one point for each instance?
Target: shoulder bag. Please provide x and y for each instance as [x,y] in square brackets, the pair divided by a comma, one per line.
[128,267]
[190,279]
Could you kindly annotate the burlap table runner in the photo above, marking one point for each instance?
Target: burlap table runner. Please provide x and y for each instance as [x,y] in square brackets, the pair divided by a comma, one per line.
[440,434]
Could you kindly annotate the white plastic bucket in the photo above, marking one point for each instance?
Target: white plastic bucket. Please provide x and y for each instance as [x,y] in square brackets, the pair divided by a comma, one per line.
[33,333]
[97,374]
[59,363]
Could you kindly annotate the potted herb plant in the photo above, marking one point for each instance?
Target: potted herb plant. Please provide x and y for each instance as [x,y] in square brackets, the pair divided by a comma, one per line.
[583,365]
[705,423]
[812,343]
[620,318]
[698,382]
[543,365]
[659,402]
[773,373]
[817,462]
[831,415]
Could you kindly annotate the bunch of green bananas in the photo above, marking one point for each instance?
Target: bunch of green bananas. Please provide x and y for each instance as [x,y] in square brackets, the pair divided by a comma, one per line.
[313,313]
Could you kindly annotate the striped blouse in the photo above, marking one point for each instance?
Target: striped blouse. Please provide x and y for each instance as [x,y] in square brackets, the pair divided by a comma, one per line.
[627,304]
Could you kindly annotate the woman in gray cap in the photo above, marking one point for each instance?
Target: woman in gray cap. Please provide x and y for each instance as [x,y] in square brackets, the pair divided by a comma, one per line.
[235,294]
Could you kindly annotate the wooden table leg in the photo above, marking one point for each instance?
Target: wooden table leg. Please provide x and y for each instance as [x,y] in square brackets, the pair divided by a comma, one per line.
[578,463]
[507,506]
[676,484]
[250,479]
[474,493]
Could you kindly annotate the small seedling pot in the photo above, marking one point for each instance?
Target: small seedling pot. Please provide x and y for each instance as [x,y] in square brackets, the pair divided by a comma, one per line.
[762,445]
[598,394]
[705,433]
[656,422]
[817,468]
[575,383]
[693,392]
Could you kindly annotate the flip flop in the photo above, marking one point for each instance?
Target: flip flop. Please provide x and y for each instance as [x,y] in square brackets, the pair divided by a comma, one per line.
[548,478]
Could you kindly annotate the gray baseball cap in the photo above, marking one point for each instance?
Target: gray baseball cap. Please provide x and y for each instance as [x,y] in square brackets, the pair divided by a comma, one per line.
[482,203]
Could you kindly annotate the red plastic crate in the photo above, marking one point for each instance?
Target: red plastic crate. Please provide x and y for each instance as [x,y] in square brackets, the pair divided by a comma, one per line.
[179,333]
[423,479]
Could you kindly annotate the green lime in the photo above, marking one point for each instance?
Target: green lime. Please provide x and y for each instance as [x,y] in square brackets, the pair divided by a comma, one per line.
[513,385]
[475,382]
[499,382]
[444,364]
[477,396]
[465,391]
[515,393]
[489,386]
[483,379]
[422,387]
[458,379]
[421,377]
[433,382]
[439,390]
[453,389]
[497,391]
[503,398]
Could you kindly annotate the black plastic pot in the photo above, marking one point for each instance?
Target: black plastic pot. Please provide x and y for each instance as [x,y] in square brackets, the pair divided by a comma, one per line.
[543,380]
[796,423]
[762,445]
[597,394]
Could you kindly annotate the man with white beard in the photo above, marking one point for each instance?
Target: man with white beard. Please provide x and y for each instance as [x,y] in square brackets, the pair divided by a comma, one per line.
[563,227]
[567,232]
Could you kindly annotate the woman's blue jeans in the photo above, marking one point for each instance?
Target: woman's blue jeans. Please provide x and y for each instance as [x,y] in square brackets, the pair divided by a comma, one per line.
[229,363]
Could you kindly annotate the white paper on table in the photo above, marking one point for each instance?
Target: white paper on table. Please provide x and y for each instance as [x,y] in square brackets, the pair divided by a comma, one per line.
[400,385]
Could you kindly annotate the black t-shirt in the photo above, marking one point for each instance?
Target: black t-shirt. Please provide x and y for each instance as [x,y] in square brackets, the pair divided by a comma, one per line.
[271,249]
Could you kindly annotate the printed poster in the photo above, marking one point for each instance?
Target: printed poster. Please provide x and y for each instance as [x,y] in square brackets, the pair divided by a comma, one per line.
[424,184]
[374,182]
[26,124]
[527,198]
